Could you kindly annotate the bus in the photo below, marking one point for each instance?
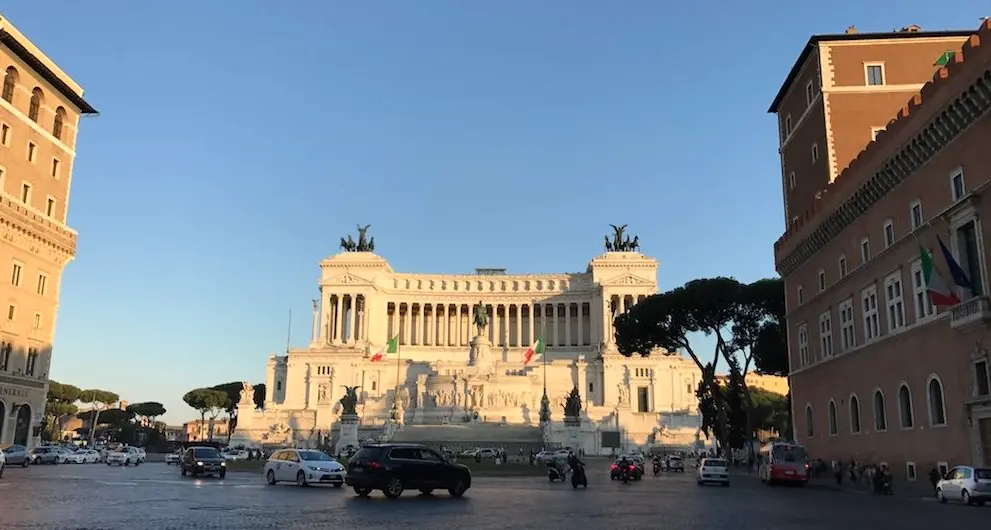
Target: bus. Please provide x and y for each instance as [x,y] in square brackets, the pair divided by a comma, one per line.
[782,462]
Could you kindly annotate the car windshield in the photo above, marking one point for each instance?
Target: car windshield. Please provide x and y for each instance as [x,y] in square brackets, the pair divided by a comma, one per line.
[788,453]
[311,456]
[712,462]
[982,474]
[205,452]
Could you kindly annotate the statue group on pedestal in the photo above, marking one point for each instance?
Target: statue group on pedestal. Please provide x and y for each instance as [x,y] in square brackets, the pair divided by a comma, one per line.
[619,244]
[364,244]
[349,402]
[573,405]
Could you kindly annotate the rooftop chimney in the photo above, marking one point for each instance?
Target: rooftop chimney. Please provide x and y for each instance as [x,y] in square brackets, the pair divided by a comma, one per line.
[851,30]
[911,28]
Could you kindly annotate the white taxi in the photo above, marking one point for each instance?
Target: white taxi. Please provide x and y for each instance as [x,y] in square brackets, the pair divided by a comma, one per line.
[713,471]
[83,456]
[304,467]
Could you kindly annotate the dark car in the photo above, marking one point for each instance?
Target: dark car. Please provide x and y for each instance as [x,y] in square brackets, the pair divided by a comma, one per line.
[197,461]
[393,468]
[616,470]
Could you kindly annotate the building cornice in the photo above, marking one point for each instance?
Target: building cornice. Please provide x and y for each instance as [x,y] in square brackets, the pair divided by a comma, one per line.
[35,233]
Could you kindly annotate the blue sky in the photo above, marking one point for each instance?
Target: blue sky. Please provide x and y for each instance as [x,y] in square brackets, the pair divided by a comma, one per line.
[236,146]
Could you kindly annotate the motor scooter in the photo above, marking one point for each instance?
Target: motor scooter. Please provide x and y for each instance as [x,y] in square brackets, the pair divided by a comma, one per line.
[553,473]
[657,467]
[578,477]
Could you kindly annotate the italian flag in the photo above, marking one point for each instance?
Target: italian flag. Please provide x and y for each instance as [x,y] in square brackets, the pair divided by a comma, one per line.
[535,349]
[390,347]
[939,292]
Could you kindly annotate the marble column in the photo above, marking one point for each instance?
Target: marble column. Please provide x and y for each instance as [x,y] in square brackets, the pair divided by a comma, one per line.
[556,337]
[581,323]
[567,325]
[531,337]
[408,325]
[519,327]
[428,324]
[353,317]
[315,333]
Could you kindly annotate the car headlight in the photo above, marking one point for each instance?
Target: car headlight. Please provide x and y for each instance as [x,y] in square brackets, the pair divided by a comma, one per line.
[199,463]
[223,464]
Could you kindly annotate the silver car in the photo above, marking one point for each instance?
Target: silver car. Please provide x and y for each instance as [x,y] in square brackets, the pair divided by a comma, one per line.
[969,485]
[18,455]
[45,455]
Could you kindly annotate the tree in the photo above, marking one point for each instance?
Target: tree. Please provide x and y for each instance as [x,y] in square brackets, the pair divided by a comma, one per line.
[60,402]
[100,400]
[114,418]
[206,401]
[233,392]
[148,411]
[737,407]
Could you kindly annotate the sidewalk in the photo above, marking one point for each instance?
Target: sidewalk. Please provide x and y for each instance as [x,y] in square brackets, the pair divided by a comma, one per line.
[918,489]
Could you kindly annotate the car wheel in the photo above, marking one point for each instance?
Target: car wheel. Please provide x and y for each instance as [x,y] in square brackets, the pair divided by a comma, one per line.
[270,477]
[965,497]
[301,479]
[361,491]
[940,496]
[338,485]
[699,482]
[394,488]
[725,484]
[458,489]
[138,463]
[109,464]
[25,463]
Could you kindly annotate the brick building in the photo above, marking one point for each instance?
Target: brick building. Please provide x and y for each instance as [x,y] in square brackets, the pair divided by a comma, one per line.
[876,166]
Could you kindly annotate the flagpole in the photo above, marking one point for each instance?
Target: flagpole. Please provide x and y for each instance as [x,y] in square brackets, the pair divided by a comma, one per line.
[289,331]
[399,356]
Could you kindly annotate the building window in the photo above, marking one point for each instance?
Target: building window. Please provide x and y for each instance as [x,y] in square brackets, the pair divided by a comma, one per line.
[787,126]
[854,414]
[894,301]
[915,214]
[822,280]
[889,233]
[968,255]
[826,334]
[832,417]
[26,193]
[643,399]
[815,153]
[981,383]
[15,274]
[923,304]
[803,344]
[791,180]
[37,321]
[874,73]
[957,186]
[278,385]
[905,413]
[11,312]
[843,268]
[848,336]
[35,109]
[872,328]
[56,169]
[9,81]
[3,175]
[6,349]
[4,135]
[801,296]
[32,152]
[808,421]
[50,207]
[59,122]
[42,283]
[937,406]
[865,250]
[591,387]
[32,361]
[880,415]
[911,473]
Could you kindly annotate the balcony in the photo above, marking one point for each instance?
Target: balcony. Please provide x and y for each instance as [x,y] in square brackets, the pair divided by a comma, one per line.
[973,312]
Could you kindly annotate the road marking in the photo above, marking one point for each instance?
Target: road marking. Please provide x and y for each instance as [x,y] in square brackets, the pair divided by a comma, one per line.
[117,483]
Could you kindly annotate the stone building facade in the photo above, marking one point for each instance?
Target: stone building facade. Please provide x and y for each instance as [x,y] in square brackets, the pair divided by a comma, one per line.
[40,108]
[877,372]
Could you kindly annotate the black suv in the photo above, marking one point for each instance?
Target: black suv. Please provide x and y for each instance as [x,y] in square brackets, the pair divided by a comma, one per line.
[393,468]
[198,461]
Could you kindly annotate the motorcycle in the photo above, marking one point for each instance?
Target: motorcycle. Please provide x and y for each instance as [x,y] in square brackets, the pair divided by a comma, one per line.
[657,467]
[553,473]
[626,472]
[578,477]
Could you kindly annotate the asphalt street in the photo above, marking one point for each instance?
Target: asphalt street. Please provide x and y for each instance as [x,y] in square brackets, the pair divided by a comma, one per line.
[154,496]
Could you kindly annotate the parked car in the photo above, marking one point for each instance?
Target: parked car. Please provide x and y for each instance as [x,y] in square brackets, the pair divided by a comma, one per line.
[304,467]
[18,455]
[83,456]
[393,468]
[173,458]
[712,471]
[3,462]
[969,485]
[235,455]
[125,456]
[45,455]
[198,461]
[546,457]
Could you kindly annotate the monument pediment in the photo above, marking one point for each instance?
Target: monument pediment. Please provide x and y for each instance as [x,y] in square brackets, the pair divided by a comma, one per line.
[628,279]
[349,279]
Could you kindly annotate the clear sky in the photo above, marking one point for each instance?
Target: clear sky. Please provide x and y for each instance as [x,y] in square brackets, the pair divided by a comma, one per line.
[238,141]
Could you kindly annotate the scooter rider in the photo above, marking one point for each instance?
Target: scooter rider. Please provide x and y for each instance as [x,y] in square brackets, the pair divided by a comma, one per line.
[573,462]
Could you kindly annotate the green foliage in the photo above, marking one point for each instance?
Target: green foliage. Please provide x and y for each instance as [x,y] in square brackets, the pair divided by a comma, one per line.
[259,397]
[207,401]
[60,403]
[736,406]
[100,400]
[147,410]
[233,392]
[711,404]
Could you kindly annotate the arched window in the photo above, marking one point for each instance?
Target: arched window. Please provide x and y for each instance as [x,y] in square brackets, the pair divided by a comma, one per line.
[35,108]
[809,431]
[937,406]
[854,414]
[59,120]
[9,82]
[832,417]
[880,415]
[905,412]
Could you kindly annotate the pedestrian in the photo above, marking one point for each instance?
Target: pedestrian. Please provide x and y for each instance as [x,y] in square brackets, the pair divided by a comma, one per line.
[934,478]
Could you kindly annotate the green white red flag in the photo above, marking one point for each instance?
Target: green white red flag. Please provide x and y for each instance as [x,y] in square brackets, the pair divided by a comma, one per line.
[390,347]
[535,349]
[939,291]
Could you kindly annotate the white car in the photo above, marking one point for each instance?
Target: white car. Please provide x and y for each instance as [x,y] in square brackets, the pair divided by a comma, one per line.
[173,458]
[83,456]
[713,471]
[969,485]
[125,456]
[546,457]
[62,452]
[235,456]
[304,467]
